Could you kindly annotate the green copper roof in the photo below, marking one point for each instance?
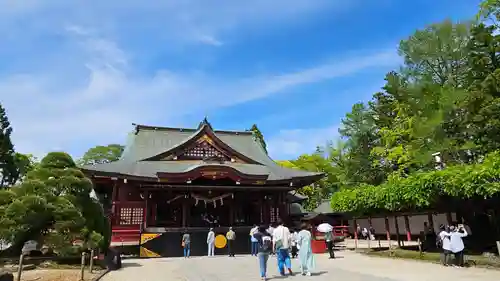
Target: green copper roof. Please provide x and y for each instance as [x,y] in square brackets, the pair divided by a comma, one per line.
[324,207]
[147,142]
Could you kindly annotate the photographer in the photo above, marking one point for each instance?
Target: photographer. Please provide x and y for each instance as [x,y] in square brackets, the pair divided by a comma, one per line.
[457,244]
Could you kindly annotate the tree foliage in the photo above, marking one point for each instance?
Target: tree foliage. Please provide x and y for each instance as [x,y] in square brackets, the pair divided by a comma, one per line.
[102,154]
[444,98]
[259,136]
[420,190]
[53,205]
[8,169]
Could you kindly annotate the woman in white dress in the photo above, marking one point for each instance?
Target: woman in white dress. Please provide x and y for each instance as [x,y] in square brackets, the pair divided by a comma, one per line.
[306,257]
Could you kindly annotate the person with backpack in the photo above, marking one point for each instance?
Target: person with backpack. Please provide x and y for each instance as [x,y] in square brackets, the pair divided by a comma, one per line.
[443,242]
[265,244]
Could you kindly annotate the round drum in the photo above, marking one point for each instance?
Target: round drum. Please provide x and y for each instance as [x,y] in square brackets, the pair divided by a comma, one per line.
[220,241]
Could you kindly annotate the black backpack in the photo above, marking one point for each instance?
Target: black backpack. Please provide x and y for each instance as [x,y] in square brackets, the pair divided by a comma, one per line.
[267,243]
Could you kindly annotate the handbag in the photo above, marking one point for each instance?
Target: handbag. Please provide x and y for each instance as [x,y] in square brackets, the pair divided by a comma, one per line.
[183,244]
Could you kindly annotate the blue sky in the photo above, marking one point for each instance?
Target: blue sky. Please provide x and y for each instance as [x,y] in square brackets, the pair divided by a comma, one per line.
[74,74]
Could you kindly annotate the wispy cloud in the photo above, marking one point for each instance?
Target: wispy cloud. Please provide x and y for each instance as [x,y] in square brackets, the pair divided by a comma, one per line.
[97,95]
[210,40]
[170,21]
[287,144]
[75,78]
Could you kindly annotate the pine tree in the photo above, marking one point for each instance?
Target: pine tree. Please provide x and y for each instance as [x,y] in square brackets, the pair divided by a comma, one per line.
[258,134]
[8,167]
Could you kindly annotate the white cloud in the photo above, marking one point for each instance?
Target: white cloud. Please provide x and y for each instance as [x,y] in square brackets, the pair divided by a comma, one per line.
[210,40]
[97,95]
[201,21]
[288,144]
[87,88]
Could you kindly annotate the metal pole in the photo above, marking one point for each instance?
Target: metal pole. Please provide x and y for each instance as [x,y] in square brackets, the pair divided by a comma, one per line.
[82,272]
[20,269]
[91,265]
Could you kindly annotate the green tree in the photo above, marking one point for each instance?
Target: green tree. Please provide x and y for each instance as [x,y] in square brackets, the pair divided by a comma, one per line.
[445,98]
[438,53]
[53,205]
[260,137]
[8,169]
[102,154]
[489,11]
[25,163]
[360,134]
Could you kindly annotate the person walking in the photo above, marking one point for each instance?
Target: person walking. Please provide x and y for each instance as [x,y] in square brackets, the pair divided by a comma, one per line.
[306,256]
[330,243]
[270,230]
[293,242]
[265,244]
[444,243]
[457,244]
[186,243]
[253,242]
[211,242]
[371,231]
[281,246]
[230,236]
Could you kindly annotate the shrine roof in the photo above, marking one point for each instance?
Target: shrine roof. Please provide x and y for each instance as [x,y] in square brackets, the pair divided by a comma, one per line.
[147,143]
[325,207]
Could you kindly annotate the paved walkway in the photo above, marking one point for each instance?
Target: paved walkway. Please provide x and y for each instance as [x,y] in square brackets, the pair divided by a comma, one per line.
[349,266]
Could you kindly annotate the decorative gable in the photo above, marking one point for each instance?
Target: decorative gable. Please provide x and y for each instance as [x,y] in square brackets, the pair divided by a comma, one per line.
[204,145]
[203,150]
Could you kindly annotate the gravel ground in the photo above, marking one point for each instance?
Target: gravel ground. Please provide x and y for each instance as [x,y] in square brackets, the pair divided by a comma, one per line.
[348,266]
[55,275]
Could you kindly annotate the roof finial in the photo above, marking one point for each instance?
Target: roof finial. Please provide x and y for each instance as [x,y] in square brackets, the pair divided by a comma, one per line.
[205,122]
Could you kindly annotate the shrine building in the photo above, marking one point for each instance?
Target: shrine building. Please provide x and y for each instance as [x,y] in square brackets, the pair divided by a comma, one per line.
[171,180]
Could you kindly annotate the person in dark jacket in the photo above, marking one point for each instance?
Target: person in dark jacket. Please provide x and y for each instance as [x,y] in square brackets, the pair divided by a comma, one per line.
[265,248]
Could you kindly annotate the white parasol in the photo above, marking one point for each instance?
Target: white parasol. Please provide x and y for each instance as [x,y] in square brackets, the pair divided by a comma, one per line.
[325,227]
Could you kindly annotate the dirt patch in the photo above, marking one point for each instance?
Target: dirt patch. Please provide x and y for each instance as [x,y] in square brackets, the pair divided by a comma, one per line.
[57,275]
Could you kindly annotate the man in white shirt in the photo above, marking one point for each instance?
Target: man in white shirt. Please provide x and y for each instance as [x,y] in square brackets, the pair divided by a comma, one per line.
[445,243]
[457,243]
[281,244]
[211,242]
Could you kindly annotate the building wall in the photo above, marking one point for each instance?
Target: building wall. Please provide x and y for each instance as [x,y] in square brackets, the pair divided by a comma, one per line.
[416,223]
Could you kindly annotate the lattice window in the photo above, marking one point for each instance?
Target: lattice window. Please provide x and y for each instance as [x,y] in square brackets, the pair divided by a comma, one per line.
[202,151]
[275,214]
[131,216]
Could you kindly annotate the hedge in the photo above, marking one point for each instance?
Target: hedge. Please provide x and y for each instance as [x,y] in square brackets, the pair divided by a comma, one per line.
[422,189]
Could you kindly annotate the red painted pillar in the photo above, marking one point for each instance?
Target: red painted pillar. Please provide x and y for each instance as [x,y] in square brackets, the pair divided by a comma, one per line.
[355,229]
[146,209]
[407,226]
[355,233]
